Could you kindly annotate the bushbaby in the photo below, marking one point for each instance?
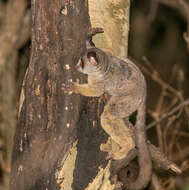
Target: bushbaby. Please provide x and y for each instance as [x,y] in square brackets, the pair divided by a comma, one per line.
[126,85]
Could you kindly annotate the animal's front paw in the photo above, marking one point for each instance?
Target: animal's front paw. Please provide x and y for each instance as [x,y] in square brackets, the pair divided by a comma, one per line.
[69,88]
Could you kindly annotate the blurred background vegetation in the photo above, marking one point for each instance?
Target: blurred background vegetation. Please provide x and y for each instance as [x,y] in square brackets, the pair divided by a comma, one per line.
[159,41]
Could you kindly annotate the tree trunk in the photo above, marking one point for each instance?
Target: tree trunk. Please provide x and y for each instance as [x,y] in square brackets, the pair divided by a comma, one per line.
[53,127]
[113,17]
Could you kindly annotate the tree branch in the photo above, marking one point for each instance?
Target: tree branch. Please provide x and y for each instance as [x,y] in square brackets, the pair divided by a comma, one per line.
[157,156]
[168,114]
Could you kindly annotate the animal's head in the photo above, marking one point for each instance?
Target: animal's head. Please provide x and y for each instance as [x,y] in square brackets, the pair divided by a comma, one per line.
[91,62]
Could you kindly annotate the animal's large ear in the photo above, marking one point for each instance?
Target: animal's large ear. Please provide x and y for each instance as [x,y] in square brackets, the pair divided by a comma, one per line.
[89,43]
[91,33]
[92,58]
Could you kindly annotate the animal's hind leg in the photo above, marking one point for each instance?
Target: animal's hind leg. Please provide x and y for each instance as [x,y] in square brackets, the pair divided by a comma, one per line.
[114,125]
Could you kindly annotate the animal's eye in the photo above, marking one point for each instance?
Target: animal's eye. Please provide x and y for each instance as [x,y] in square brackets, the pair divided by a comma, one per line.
[82,63]
[91,54]
[92,58]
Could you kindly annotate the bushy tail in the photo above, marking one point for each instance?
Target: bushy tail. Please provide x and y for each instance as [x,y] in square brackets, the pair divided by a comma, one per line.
[144,156]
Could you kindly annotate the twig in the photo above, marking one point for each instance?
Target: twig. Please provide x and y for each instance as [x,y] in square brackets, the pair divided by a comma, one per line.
[166,115]
[155,182]
[157,156]
[156,77]
[174,137]
[166,131]
[158,109]
[160,159]
[94,31]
